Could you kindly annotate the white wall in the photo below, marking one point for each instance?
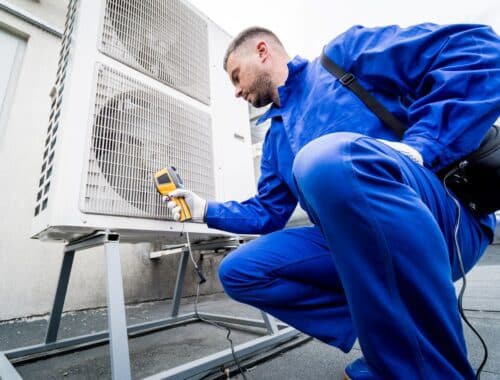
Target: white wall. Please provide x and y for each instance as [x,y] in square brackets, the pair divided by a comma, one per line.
[26,267]
[12,46]
[52,12]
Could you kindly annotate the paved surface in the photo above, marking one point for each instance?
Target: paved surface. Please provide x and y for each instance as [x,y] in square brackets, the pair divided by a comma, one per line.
[159,351]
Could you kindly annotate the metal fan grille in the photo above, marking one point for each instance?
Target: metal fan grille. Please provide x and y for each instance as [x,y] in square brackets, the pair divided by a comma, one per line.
[162,38]
[137,131]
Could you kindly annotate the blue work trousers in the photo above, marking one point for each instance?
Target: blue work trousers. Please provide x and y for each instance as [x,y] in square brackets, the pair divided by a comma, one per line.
[378,265]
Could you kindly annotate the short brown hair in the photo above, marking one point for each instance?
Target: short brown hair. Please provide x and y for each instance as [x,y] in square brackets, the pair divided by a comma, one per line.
[244,36]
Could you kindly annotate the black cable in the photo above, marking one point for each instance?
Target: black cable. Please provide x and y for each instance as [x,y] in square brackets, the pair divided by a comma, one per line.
[202,280]
[235,358]
[464,280]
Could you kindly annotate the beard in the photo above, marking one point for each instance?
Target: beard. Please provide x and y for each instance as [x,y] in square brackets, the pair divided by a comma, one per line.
[262,91]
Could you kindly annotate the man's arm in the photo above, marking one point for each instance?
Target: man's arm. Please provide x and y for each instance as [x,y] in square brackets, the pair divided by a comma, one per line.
[267,211]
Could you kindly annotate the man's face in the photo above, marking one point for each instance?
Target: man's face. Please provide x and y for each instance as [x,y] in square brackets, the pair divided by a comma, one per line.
[250,80]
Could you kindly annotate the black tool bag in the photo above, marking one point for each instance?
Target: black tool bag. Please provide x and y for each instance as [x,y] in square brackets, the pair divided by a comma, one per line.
[475,179]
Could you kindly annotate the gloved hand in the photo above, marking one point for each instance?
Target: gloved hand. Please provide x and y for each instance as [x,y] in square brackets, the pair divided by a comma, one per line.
[197,205]
[407,150]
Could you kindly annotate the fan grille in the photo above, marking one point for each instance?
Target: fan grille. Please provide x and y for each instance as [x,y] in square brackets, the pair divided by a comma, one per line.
[138,130]
[161,38]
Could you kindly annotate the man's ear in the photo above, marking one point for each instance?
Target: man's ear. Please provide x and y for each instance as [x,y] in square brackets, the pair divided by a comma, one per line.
[262,50]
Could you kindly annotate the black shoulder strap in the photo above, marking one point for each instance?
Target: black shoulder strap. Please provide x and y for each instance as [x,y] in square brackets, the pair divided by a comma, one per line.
[349,80]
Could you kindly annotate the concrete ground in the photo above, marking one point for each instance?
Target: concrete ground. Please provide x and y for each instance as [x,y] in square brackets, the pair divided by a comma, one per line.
[162,350]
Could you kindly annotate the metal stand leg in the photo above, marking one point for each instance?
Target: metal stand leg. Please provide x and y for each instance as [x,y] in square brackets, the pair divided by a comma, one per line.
[181,272]
[271,325]
[7,370]
[120,359]
[62,287]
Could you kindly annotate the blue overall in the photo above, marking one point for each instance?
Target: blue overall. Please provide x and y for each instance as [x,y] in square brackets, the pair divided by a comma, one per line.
[380,261]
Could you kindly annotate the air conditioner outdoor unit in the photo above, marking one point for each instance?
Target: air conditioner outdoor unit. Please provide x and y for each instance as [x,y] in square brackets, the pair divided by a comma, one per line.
[139,86]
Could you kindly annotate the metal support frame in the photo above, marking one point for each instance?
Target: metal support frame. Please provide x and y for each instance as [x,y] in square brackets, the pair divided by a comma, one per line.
[181,272]
[118,333]
[7,370]
[117,322]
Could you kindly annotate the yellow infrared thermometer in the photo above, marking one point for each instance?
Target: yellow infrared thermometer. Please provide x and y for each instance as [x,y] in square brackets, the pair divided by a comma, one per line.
[167,180]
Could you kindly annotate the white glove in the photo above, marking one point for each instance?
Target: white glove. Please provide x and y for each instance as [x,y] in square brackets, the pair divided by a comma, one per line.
[197,205]
[407,150]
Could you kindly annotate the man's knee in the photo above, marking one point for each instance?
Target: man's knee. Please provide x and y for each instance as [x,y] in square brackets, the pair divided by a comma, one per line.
[327,157]
[237,275]
[227,274]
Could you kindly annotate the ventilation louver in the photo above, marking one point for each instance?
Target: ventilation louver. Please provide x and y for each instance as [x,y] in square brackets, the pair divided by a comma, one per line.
[42,195]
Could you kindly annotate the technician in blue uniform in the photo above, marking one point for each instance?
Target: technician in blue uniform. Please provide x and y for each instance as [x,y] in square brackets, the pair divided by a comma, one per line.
[380,261]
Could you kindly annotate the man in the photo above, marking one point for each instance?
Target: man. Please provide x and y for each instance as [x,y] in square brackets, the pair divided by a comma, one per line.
[380,261]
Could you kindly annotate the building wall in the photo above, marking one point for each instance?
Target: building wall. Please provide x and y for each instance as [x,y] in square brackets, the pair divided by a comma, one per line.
[53,12]
[29,268]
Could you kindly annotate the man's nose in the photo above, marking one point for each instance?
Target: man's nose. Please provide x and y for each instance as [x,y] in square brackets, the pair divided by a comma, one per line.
[237,92]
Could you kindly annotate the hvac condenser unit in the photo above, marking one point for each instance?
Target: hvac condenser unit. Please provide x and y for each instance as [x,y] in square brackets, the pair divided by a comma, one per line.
[139,86]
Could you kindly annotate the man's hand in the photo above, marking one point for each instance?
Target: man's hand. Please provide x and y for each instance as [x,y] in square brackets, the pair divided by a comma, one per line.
[196,204]
[407,150]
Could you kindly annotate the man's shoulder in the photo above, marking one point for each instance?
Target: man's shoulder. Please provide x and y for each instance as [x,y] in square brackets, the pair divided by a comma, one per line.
[359,39]
[360,32]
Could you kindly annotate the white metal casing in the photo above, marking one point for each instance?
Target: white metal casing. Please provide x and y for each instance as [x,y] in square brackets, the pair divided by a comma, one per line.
[65,216]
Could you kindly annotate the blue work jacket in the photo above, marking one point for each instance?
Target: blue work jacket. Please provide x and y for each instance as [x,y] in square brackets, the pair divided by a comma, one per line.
[443,82]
